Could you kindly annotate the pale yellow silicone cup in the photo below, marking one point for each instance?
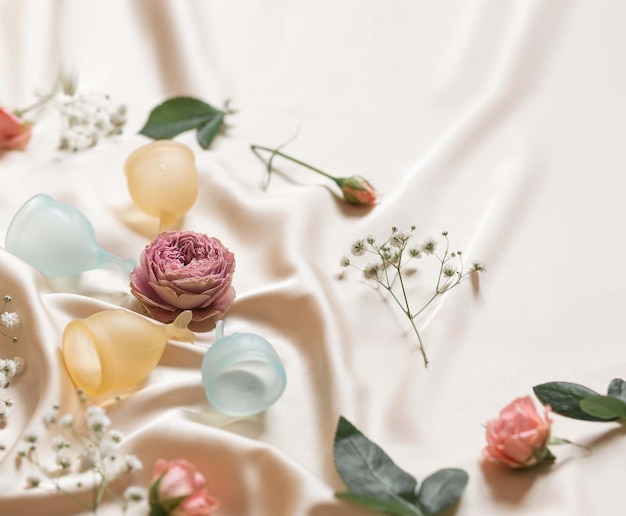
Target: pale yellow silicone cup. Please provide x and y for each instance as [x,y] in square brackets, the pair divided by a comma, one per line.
[162,180]
[116,349]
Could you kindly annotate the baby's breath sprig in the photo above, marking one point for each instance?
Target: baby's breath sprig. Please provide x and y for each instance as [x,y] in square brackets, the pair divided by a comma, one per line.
[85,118]
[9,367]
[392,255]
[82,445]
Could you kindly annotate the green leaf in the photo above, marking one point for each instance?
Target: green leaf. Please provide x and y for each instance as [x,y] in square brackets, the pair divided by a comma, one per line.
[442,489]
[367,469]
[617,389]
[564,398]
[604,407]
[208,131]
[384,506]
[180,114]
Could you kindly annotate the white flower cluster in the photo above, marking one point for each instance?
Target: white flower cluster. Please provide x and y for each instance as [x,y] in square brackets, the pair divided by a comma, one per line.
[87,119]
[98,452]
[9,367]
[390,256]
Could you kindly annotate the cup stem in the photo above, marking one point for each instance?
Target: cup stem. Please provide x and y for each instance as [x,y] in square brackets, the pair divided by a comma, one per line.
[219,329]
[124,265]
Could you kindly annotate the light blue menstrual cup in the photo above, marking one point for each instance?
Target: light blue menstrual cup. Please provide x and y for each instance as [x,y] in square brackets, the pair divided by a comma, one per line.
[58,240]
[242,374]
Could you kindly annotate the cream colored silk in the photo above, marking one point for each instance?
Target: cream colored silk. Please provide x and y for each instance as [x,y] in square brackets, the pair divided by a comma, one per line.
[500,122]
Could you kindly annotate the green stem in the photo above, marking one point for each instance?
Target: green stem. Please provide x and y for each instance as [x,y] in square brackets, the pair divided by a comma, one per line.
[276,152]
[37,105]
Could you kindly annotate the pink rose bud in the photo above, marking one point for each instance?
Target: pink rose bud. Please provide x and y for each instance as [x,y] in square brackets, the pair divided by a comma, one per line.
[183,270]
[357,190]
[14,132]
[519,436]
[178,489]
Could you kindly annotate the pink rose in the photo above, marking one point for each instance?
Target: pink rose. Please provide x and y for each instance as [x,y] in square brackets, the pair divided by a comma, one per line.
[357,190]
[178,489]
[184,271]
[519,436]
[14,132]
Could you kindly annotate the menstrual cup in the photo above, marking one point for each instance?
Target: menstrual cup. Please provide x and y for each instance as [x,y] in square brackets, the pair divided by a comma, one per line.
[242,374]
[115,349]
[162,180]
[58,239]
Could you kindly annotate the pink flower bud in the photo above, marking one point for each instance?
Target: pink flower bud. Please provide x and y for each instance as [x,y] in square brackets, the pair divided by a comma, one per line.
[14,132]
[178,489]
[357,190]
[519,436]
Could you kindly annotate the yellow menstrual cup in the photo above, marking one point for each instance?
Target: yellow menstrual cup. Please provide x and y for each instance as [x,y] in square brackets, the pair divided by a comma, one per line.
[162,180]
[115,349]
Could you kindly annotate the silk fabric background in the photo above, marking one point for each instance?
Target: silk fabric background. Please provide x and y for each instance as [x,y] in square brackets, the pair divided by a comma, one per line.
[500,122]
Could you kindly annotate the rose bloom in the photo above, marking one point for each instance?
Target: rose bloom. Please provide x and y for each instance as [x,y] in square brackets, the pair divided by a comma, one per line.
[181,271]
[358,190]
[14,132]
[519,436]
[178,489]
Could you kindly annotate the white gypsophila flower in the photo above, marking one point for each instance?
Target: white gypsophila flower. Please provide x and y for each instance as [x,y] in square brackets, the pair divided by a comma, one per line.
[108,449]
[132,462]
[135,494]
[399,237]
[9,368]
[33,480]
[116,436]
[63,461]
[97,420]
[358,248]
[10,319]
[479,266]
[20,365]
[66,420]
[391,256]
[58,443]
[345,261]
[88,118]
[372,270]
[429,245]
[88,459]
[370,239]
[415,252]
[4,416]
[449,270]
[31,437]
[4,381]
[50,417]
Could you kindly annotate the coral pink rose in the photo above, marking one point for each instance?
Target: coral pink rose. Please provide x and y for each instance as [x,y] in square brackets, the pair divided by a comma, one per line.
[178,489]
[519,436]
[184,271]
[357,190]
[14,132]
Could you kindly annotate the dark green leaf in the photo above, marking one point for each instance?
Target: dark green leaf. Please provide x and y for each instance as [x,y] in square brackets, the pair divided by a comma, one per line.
[208,131]
[442,489]
[367,469]
[617,389]
[564,398]
[604,407]
[177,115]
[384,506]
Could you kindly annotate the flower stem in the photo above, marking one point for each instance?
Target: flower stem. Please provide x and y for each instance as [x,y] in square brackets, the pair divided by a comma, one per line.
[276,152]
[37,105]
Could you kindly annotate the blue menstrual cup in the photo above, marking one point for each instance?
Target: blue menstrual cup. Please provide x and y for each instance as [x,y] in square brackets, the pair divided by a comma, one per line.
[58,240]
[242,374]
